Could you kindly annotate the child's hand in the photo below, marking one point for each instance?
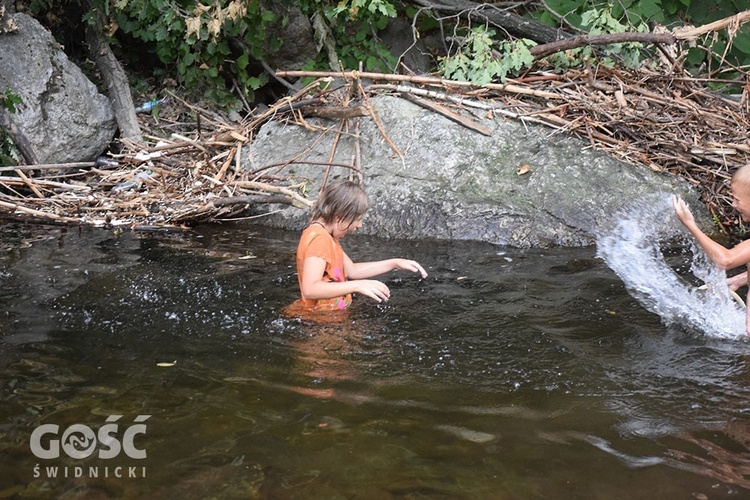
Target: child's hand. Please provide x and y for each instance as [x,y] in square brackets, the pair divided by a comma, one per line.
[410,265]
[376,290]
[682,210]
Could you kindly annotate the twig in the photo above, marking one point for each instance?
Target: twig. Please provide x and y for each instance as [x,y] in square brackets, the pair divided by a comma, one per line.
[262,186]
[424,80]
[449,114]
[15,207]
[380,126]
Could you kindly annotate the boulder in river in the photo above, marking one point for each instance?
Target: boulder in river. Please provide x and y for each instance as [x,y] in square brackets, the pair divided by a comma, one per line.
[523,185]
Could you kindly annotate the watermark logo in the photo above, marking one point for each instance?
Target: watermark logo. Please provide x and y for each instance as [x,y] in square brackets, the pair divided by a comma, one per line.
[80,441]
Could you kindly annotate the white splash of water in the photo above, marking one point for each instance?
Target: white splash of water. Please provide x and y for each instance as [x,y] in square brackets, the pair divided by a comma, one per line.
[631,248]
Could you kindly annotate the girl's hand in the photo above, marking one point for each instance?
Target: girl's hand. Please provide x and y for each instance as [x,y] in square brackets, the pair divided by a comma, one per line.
[410,265]
[376,290]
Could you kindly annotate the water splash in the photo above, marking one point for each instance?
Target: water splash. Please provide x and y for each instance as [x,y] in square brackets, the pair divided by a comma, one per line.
[631,247]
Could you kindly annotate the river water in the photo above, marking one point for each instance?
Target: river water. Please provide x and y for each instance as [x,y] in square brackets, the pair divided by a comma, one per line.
[161,365]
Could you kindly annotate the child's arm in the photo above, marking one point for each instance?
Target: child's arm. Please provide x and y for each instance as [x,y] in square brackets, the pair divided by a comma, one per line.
[361,270]
[737,281]
[725,258]
[314,287]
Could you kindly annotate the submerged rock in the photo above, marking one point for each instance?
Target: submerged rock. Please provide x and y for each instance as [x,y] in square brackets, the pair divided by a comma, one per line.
[467,434]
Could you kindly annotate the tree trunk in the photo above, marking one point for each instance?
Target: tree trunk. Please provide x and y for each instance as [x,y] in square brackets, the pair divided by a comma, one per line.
[19,139]
[515,25]
[115,79]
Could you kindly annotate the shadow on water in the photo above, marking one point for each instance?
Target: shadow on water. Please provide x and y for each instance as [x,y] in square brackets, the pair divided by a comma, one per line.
[505,373]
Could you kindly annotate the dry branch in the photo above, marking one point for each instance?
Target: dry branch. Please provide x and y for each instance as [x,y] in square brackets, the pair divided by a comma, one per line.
[461,120]
[19,138]
[732,22]
[681,33]
[421,80]
[540,51]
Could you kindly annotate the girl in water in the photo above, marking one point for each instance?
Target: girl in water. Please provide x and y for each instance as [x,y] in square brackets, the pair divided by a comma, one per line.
[327,276]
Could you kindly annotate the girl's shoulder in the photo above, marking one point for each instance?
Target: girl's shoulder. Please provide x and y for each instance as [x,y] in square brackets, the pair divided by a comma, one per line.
[316,229]
[317,234]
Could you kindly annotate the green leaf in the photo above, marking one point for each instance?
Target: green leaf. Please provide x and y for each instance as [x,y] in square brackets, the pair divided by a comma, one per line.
[651,10]
[742,42]
[696,56]
[267,16]
[255,83]
[242,61]
[372,63]
[564,7]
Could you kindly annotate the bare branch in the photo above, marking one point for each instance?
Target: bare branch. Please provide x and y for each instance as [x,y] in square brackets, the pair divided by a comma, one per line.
[540,51]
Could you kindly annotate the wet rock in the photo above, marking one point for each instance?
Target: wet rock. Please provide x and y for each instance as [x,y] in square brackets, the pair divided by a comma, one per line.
[523,185]
[467,434]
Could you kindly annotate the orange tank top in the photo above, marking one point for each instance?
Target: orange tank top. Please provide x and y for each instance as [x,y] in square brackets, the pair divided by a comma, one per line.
[317,242]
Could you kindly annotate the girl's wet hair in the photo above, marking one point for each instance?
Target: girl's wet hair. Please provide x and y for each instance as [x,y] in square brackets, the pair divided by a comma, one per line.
[343,201]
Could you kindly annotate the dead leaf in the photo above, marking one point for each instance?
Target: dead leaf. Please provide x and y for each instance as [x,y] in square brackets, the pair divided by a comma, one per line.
[523,169]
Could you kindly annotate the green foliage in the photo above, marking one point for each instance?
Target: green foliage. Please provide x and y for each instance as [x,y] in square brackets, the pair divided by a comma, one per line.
[347,30]
[478,62]
[604,22]
[597,20]
[632,15]
[372,8]
[9,101]
[481,59]
[210,45]
[214,46]
[556,10]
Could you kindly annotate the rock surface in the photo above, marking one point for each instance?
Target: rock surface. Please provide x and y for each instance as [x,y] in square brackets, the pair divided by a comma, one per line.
[63,115]
[454,183]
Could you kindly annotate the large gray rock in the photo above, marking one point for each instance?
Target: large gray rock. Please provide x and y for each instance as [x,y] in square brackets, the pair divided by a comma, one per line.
[63,115]
[455,183]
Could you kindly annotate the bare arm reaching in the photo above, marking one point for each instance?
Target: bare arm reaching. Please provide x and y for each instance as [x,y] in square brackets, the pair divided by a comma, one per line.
[314,287]
[725,258]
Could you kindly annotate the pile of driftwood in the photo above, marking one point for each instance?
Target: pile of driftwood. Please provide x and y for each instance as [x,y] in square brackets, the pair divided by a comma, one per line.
[191,174]
[188,169]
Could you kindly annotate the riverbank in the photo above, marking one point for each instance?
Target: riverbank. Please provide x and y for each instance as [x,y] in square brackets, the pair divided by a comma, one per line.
[190,169]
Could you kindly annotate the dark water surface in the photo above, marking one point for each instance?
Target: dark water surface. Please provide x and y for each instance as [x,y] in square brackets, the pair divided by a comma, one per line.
[505,374]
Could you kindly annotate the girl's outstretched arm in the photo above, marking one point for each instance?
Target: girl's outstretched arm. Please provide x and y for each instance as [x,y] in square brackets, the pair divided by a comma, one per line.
[314,287]
[362,270]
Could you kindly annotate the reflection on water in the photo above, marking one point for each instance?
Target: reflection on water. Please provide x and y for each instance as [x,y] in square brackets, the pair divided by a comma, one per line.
[505,374]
